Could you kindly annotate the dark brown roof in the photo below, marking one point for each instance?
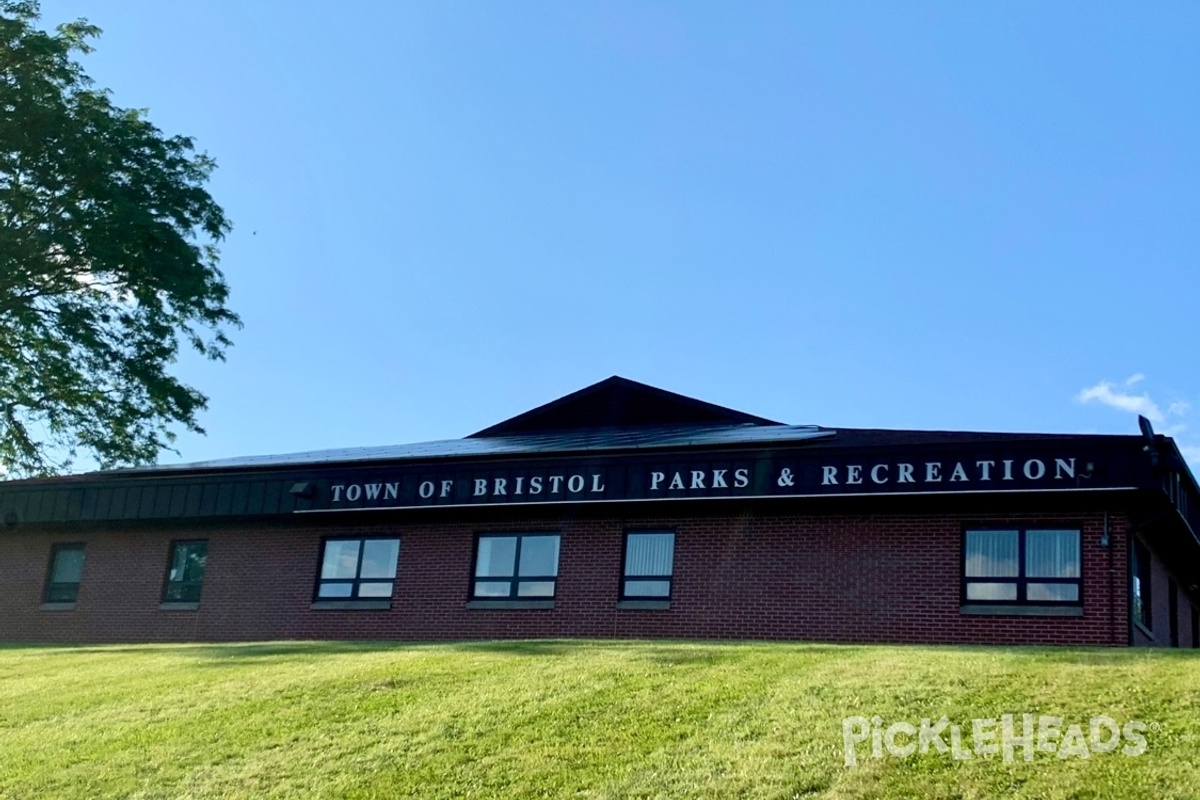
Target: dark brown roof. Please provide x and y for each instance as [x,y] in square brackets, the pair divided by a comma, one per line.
[618,402]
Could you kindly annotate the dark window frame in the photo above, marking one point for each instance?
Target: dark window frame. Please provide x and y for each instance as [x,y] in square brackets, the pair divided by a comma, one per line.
[358,578]
[1141,586]
[1021,580]
[49,588]
[670,579]
[516,578]
[167,582]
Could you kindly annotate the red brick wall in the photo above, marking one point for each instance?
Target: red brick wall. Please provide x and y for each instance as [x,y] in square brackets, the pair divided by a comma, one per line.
[828,577]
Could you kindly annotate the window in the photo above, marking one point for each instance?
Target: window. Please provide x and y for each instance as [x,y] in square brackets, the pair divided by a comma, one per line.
[1021,566]
[649,561]
[1141,585]
[511,567]
[66,571]
[358,569]
[185,572]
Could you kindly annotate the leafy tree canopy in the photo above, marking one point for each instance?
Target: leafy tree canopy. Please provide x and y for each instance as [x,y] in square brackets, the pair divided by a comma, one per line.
[108,262]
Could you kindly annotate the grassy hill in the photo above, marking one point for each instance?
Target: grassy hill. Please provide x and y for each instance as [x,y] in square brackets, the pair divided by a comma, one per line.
[569,718]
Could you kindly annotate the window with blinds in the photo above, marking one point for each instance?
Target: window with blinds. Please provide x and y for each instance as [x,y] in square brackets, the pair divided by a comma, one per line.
[1035,566]
[649,564]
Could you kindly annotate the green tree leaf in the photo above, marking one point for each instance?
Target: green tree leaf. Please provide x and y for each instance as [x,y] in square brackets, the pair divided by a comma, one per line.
[108,262]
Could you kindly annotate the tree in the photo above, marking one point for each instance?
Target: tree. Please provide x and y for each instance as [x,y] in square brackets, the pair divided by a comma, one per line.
[108,262]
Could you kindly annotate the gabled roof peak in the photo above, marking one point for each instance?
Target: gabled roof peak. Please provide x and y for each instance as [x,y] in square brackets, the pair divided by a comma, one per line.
[618,402]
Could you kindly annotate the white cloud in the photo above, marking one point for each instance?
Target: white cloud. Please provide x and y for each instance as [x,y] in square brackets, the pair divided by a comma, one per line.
[1178,408]
[1169,423]
[1104,392]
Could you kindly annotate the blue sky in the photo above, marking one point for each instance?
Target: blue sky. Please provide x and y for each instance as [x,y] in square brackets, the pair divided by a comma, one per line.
[917,215]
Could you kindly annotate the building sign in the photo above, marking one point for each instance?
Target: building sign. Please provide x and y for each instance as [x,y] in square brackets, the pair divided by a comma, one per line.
[710,476]
[683,474]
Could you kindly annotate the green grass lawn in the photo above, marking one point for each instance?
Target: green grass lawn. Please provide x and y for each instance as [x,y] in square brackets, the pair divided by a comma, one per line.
[571,718]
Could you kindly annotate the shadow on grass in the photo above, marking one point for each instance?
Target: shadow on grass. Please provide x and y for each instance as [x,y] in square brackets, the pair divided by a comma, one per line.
[667,653]
[264,651]
[535,648]
[678,653]
[524,647]
[243,651]
[696,654]
[671,652]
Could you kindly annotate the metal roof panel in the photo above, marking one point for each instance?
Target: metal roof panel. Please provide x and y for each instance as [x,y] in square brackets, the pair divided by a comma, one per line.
[533,444]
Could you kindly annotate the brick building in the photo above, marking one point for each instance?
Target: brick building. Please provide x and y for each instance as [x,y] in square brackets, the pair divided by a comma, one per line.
[624,511]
